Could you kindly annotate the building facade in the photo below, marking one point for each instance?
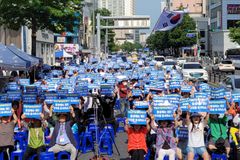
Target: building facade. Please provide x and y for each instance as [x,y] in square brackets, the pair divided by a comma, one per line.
[196,8]
[224,15]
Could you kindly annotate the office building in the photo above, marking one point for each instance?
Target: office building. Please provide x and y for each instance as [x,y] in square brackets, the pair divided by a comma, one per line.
[224,15]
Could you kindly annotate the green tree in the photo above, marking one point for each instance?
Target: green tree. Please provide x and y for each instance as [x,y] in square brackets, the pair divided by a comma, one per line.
[175,38]
[137,46]
[127,46]
[234,34]
[54,15]
[111,34]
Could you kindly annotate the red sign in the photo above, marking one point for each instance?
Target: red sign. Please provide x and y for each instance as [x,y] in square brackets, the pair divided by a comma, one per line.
[233,8]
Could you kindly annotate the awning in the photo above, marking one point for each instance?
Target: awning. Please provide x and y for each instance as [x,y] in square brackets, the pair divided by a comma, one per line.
[10,61]
[33,61]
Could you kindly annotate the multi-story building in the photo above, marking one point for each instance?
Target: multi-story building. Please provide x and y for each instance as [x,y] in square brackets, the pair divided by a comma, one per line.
[120,8]
[224,15]
[196,8]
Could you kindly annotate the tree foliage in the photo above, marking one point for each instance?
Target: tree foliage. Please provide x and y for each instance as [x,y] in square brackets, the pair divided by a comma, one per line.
[235,33]
[129,47]
[54,15]
[175,38]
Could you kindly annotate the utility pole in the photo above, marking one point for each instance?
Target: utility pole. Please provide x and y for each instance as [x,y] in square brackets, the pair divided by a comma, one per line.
[106,41]
[98,35]
[93,29]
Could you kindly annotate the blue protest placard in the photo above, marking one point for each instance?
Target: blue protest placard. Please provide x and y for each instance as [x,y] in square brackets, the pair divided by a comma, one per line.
[72,96]
[182,133]
[106,89]
[203,87]
[159,100]
[31,89]
[163,112]
[184,103]
[3,98]
[32,110]
[173,98]
[198,105]
[29,98]
[136,92]
[186,89]
[201,95]
[24,82]
[61,106]
[137,117]
[228,95]
[174,84]
[50,97]
[14,95]
[62,92]
[236,97]
[74,101]
[141,104]
[5,109]
[217,106]
[12,86]
[217,93]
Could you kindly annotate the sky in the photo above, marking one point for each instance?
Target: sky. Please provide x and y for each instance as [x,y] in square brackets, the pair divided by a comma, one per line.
[148,7]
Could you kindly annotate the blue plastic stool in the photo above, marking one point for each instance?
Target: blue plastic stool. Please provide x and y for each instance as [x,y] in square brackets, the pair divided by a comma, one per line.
[108,128]
[33,157]
[92,129]
[87,137]
[17,154]
[105,144]
[120,128]
[47,156]
[77,139]
[147,156]
[60,154]
[1,155]
[21,137]
[219,156]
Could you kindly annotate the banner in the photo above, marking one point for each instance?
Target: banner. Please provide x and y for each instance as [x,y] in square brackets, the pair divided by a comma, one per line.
[5,109]
[106,89]
[217,106]
[29,98]
[50,97]
[61,106]
[137,117]
[141,104]
[163,112]
[136,92]
[236,97]
[32,110]
[3,98]
[12,86]
[168,20]
[198,105]
[31,89]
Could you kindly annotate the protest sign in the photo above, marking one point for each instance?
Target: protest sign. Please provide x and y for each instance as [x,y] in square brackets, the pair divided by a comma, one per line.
[14,95]
[173,98]
[24,82]
[136,92]
[106,89]
[236,97]
[50,97]
[198,105]
[174,84]
[31,89]
[217,106]
[217,93]
[3,98]
[5,109]
[201,95]
[12,86]
[184,103]
[29,98]
[163,112]
[182,133]
[137,117]
[160,100]
[186,89]
[32,110]
[141,104]
[61,106]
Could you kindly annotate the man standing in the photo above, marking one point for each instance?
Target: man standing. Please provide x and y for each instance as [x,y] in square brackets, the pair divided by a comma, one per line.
[123,94]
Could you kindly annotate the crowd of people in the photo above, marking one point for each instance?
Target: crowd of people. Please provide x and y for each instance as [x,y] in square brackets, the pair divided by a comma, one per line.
[186,134]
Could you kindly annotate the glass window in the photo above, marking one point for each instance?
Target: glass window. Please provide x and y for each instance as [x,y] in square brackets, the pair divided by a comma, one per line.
[237,83]
[192,66]
[229,81]
[202,34]
[232,23]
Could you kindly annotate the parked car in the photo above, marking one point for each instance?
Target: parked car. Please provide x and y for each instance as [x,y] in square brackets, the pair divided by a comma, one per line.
[158,60]
[231,83]
[194,70]
[225,66]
